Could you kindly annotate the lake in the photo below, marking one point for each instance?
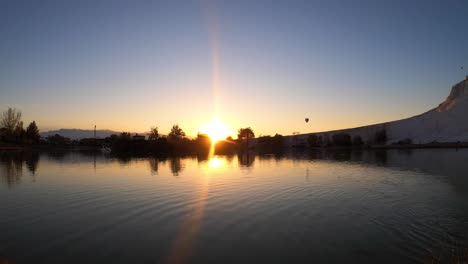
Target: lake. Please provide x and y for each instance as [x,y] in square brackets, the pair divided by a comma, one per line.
[386,206]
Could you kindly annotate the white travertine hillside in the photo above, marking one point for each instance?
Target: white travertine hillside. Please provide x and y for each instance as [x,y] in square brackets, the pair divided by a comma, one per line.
[446,123]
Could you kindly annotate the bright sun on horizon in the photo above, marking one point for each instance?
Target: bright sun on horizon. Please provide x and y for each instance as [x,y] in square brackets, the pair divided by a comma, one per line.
[216,130]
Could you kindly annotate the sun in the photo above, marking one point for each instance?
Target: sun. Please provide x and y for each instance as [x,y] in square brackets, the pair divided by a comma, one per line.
[216,130]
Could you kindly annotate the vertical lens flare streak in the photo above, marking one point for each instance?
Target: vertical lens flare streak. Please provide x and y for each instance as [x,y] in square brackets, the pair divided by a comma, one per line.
[182,248]
[215,55]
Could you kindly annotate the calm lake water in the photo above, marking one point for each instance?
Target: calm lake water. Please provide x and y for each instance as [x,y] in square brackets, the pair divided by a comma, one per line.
[393,206]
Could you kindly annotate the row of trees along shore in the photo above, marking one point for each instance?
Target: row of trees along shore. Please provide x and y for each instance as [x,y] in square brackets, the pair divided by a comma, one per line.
[12,130]
[176,141]
[345,140]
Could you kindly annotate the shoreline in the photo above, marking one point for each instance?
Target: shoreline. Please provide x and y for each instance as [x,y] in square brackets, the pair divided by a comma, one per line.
[448,145]
[19,147]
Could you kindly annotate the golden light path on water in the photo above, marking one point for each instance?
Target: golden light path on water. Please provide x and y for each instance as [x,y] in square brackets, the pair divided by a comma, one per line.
[182,247]
[183,244]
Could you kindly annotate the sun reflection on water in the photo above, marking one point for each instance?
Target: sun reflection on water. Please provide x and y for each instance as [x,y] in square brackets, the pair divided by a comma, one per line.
[215,163]
[182,248]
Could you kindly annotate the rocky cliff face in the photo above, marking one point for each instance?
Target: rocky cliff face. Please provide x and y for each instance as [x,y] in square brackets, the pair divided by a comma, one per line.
[446,123]
[458,93]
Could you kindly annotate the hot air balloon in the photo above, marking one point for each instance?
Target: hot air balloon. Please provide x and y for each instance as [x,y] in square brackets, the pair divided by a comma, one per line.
[307,120]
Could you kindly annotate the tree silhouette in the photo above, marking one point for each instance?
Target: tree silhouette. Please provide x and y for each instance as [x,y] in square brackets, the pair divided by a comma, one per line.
[154,134]
[314,141]
[32,133]
[357,141]
[381,136]
[278,140]
[125,136]
[19,132]
[58,140]
[10,120]
[245,133]
[341,139]
[176,133]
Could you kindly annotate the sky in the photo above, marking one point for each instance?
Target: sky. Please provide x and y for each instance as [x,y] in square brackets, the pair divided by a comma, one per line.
[131,65]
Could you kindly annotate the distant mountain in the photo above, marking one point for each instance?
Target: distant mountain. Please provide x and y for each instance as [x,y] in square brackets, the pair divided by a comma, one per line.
[79,133]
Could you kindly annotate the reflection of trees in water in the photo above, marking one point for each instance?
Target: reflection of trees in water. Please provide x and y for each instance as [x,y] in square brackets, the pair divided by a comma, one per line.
[57,155]
[341,155]
[32,161]
[381,157]
[229,158]
[123,159]
[246,158]
[355,155]
[407,152]
[176,166]
[12,168]
[202,157]
[89,152]
[279,155]
[316,154]
[154,165]
[298,153]
[11,164]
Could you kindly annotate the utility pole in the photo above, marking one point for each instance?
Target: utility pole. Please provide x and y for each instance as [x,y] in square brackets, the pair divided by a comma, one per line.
[94,132]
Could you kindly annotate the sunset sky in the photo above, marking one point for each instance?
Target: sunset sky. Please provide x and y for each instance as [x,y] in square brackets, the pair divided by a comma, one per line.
[130,65]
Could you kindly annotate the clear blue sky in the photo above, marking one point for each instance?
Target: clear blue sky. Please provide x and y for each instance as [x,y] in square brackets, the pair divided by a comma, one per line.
[130,65]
